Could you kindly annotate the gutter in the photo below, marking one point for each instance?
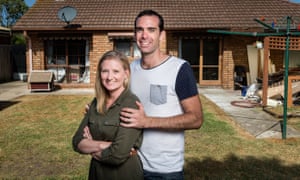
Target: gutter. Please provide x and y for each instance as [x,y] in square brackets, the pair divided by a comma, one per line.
[253,34]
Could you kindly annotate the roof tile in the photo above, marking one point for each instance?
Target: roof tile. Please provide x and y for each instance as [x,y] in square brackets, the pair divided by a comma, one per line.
[178,14]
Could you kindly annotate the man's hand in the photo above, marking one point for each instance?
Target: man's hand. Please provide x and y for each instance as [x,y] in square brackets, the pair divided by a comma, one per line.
[192,117]
[133,118]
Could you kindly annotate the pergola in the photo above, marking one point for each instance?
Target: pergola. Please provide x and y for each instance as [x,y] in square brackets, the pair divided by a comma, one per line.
[279,43]
[282,39]
[286,44]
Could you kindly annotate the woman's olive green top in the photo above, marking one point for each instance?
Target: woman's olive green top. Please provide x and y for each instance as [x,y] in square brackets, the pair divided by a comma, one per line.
[116,161]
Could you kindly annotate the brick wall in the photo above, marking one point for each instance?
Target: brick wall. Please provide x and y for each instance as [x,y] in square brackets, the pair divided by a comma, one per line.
[99,45]
[37,46]
[172,44]
[234,52]
[227,69]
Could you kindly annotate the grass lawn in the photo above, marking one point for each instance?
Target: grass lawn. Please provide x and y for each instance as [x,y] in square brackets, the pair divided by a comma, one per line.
[36,133]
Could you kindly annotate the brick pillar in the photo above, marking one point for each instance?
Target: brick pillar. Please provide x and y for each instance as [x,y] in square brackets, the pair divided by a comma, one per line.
[228,69]
[163,42]
[99,45]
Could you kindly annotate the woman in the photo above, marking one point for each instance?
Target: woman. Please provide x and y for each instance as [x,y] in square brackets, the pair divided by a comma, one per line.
[100,134]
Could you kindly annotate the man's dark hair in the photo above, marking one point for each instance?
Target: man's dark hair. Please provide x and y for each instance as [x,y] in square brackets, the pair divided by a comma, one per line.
[149,12]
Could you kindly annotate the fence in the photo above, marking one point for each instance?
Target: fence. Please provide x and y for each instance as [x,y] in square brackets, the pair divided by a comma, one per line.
[5,63]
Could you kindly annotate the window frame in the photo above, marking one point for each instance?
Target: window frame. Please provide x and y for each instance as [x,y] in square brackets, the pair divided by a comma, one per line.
[133,48]
[58,59]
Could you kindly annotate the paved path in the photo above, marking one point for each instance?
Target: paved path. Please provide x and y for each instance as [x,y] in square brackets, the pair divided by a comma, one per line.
[11,90]
[14,89]
[254,120]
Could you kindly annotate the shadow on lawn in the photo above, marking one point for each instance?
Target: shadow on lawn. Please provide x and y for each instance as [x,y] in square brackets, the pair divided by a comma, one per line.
[236,168]
[6,104]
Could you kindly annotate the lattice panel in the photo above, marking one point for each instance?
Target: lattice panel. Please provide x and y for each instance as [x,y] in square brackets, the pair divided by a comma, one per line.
[294,43]
[279,43]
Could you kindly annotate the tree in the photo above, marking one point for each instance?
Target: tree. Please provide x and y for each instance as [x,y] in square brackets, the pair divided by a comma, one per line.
[18,39]
[11,11]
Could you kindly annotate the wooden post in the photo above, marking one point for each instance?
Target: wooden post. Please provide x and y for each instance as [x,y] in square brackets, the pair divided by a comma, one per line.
[265,71]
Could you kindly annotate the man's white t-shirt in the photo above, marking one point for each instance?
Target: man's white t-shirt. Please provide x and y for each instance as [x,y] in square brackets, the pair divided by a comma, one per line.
[157,88]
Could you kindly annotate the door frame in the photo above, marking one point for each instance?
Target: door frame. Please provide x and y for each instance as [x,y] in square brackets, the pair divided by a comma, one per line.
[220,59]
[201,66]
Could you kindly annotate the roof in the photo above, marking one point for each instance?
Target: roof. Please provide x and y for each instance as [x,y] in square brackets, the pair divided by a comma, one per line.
[178,14]
[41,77]
[4,29]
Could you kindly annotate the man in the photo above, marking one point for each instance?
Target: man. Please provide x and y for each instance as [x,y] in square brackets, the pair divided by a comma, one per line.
[169,99]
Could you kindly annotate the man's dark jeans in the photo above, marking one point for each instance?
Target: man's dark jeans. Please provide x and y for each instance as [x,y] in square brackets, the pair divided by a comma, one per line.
[163,176]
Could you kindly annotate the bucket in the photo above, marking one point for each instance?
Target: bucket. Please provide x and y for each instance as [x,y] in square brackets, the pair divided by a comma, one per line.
[244,90]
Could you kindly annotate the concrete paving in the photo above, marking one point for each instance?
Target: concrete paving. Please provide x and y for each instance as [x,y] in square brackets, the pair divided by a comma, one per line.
[11,90]
[14,89]
[257,122]
[253,120]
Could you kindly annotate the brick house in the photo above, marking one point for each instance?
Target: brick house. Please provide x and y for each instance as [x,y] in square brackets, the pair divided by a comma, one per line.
[71,50]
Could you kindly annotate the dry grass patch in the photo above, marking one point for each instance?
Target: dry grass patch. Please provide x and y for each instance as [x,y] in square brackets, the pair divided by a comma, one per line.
[293,114]
[222,150]
[36,132]
[35,138]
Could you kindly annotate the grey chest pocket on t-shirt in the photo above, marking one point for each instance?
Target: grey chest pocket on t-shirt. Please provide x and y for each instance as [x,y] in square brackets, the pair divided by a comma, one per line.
[158,94]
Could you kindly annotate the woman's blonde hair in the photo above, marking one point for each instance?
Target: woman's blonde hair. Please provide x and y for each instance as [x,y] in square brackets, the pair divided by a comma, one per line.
[100,91]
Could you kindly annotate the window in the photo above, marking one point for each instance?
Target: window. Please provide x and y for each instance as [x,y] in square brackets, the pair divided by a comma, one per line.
[68,60]
[190,51]
[210,59]
[124,47]
[128,47]
[203,55]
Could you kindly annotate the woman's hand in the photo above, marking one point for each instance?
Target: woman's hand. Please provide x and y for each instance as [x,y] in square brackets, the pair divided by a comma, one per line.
[101,144]
[87,133]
